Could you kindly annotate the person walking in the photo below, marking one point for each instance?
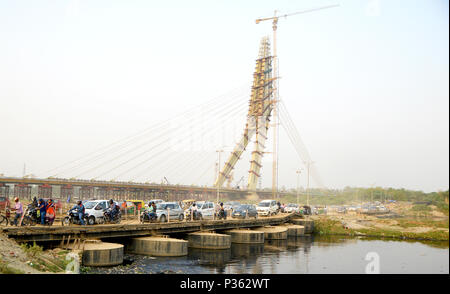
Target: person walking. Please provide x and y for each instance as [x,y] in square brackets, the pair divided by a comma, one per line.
[18,208]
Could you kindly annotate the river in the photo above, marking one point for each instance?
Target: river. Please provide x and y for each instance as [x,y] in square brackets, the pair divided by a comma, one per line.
[301,255]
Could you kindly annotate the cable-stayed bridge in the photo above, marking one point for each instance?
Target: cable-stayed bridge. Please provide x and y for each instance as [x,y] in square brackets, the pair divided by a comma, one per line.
[180,158]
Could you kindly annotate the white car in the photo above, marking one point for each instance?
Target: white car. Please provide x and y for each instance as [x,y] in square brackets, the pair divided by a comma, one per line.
[206,208]
[95,210]
[292,207]
[267,207]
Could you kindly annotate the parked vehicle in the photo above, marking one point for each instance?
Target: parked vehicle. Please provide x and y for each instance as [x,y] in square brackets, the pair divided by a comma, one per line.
[206,208]
[4,202]
[267,207]
[138,204]
[72,218]
[342,210]
[306,210]
[245,211]
[167,210]
[95,209]
[231,205]
[292,207]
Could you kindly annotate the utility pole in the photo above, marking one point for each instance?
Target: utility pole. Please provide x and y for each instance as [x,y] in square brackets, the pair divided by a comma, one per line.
[298,185]
[218,174]
[308,166]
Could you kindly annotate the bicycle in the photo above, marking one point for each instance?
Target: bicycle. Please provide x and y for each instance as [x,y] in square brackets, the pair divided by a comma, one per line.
[4,219]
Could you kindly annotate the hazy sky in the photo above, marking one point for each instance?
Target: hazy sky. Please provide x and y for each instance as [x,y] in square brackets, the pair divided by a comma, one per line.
[365,83]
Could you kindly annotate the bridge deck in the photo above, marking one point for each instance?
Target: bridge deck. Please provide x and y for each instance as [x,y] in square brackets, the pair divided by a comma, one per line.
[58,233]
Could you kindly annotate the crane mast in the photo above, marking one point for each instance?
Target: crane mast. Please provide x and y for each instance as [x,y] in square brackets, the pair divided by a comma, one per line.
[263,104]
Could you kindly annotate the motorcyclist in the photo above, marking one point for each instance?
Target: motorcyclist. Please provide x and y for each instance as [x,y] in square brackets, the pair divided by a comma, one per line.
[194,210]
[34,203]
[80,210]
[114,209]
[152,210]
[222,211]
[42,210]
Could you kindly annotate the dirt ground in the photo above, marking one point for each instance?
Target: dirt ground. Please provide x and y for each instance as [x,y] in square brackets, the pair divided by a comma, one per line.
[12,254]
[403,212]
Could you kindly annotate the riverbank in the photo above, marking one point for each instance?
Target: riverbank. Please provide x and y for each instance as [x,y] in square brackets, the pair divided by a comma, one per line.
[371,226]
[30,259]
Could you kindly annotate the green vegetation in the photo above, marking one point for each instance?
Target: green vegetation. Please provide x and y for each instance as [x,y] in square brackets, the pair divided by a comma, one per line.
[45,262]
[31,250]
[409,223]
[421,207]
[358,195]
[324,226]
[6,269]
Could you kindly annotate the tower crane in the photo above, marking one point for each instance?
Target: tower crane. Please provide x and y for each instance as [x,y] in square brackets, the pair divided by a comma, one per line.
[276,92]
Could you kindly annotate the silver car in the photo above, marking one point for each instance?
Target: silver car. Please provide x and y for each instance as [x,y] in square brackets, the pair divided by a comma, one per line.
[169,211]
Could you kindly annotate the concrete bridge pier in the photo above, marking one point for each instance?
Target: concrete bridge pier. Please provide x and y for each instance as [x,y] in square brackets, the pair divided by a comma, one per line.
[307,223]
[158,246]
[295,230]
[274,233]
[246,236]
[97,253]
[209,240]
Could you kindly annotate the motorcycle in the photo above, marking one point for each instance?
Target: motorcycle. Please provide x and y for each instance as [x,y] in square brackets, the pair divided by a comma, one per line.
[107,217]
[222,214]
[147,217]
[31,216]
[196,216]
[72,218]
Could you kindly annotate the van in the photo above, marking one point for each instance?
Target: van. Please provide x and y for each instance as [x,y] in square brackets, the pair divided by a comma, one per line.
[267,207]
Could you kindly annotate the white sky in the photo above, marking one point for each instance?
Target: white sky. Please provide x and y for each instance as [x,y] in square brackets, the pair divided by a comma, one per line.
[365,83]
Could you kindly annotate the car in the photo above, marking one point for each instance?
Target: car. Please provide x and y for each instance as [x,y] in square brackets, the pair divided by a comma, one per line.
[206,208]
[245,211]
[267,207]
[342,210]
[231,205]
[292,207]
[95,210]
[169,210]
[4,202]
[157,201]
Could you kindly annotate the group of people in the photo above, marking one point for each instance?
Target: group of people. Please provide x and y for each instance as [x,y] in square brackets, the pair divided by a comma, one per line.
[80,210]
[46,209]
[151,210]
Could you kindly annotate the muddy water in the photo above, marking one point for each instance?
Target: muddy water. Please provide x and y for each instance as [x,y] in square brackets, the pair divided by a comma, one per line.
[313,254]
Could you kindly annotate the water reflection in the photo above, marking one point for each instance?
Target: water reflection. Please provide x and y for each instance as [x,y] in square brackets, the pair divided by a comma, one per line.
[211,258]
[306,254]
